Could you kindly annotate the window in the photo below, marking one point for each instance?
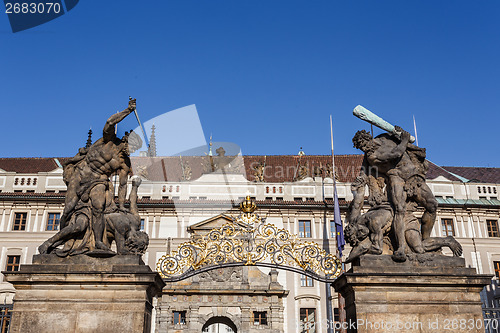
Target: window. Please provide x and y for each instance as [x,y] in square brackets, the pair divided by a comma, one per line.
[496,267]
[53,222]
[336,314]
[142,225]
[492,228]
[13,263]
[5,315]
[333,230]
[447,227]
[307,320]
[305,229]
[306,281]
[179,317]
[20,221]
[260,318]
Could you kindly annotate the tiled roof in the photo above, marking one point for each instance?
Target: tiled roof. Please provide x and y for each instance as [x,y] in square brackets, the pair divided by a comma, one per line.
[279,168]
[436,171]
[283,168]
[28,164]
[481,175]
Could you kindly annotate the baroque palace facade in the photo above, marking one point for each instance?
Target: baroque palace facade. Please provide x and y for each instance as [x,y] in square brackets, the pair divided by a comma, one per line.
[185,197]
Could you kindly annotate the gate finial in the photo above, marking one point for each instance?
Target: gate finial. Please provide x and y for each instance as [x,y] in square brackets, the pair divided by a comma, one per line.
[248,206]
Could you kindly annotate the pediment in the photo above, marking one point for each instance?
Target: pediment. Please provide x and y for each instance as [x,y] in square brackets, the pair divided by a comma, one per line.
[212,223]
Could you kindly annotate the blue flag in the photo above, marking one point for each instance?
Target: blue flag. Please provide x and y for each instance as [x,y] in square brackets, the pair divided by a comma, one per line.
[339,229]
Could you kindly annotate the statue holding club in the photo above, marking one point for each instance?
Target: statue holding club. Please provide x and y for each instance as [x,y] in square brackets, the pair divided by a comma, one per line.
[90,213]
[399,167]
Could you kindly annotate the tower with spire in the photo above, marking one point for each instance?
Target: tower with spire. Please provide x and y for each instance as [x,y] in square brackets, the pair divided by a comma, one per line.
[152,143]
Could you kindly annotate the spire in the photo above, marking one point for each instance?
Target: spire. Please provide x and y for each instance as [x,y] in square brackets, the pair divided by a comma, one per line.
[152,143]
[210,150]
[89,139]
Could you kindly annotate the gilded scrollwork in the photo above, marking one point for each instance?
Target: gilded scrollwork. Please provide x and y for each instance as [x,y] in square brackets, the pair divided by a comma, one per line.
[249,240]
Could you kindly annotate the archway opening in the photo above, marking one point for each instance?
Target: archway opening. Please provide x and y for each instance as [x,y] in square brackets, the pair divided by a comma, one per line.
[219,324]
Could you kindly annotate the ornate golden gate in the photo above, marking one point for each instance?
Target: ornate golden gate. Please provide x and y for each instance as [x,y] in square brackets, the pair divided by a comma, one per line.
[249,240]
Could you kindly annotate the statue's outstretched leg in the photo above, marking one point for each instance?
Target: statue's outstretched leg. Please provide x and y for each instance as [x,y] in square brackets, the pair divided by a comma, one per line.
[436,243]
[79,226]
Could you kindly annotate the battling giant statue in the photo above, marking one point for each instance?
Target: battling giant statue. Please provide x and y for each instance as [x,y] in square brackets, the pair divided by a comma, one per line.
[91,220]
[394,171]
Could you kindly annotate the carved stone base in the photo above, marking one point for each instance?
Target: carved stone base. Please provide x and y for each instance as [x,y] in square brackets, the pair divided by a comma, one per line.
[431,293]
[83,294]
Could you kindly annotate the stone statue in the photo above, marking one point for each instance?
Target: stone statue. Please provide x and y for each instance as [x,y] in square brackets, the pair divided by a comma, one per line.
[187,173]
[403,167]
[258,172]
[366,232]
[394,171]
[89,203]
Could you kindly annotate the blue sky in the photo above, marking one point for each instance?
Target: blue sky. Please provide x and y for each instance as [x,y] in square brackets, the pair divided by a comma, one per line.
[263,74]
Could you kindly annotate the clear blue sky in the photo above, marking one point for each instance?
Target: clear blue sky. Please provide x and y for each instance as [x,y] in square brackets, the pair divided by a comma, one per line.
[263,74]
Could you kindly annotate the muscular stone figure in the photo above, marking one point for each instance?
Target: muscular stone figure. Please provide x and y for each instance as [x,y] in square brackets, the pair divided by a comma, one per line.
[90,191]
[403,167]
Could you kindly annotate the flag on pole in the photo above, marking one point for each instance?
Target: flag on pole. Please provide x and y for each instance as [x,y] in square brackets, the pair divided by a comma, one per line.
[339,228]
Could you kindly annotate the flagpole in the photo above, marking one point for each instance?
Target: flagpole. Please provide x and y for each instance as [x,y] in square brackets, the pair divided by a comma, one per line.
[340,299]
[326,247]
[333,157]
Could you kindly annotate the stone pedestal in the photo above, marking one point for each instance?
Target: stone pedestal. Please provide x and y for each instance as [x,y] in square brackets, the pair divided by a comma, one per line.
[436,294]
[83,294]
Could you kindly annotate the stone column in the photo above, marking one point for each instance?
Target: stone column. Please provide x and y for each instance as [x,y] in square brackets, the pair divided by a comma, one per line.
[437,295]
[83,294]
